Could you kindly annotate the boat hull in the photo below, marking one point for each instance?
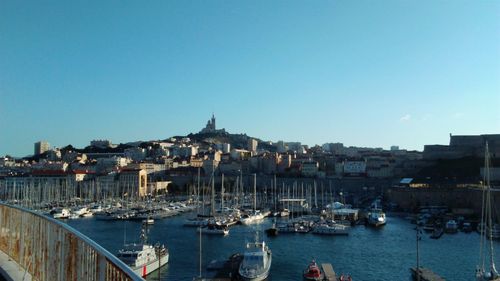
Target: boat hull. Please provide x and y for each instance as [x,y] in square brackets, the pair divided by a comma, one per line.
[150,267]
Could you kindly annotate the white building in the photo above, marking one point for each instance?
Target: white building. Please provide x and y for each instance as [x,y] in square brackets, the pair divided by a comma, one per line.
[354,167]
[41,147]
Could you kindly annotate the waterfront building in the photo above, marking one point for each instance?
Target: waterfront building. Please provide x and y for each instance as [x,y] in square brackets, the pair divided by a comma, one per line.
[133,182]
[41,147]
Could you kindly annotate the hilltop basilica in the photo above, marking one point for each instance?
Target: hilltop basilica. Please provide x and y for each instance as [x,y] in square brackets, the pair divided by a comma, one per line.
[210,127]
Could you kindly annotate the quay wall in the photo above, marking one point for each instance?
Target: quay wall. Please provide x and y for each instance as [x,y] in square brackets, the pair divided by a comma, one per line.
[411,199]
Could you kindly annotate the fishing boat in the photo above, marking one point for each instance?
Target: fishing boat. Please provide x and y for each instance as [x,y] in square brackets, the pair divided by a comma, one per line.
[486,253]
[142,257]
[313,272]
[256,262]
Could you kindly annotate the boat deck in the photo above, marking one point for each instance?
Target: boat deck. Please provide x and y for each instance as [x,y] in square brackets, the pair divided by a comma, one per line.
[426,275]
[329,272]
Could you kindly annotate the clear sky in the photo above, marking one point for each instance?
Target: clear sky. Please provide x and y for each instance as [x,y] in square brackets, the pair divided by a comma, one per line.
[365,73]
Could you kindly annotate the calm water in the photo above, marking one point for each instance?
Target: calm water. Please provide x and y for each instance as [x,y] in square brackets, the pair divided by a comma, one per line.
[367,254]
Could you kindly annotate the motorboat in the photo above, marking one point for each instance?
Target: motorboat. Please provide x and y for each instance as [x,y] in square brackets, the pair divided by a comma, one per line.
[142,257]
[254,217]
[376,217]
[62,213]
[313,272]
[451,227]
[256,262]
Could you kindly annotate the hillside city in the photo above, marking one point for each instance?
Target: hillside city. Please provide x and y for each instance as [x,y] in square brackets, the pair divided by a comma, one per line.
[171,165]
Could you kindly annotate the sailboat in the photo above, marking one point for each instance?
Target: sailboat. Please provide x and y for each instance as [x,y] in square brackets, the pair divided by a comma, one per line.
[486,232]
[256,216]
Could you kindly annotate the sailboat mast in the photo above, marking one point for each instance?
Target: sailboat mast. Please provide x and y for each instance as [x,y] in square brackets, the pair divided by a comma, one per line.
[212,201]
[494,272]
[222,193]
[254,192]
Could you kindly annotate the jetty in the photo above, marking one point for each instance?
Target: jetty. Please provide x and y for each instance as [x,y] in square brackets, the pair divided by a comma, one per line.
[329,272]
[425,274]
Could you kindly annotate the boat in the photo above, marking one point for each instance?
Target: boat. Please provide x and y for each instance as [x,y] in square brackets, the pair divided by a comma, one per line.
[272,231]
[284,213]
[142,257]
[256,262]
[466,227]
[79,211]
[62,213]
[376,217]
[214,228]
[331,229]
[253,217]
[486,250]
[451,227]
[437,232]
[313,272]
[148,221]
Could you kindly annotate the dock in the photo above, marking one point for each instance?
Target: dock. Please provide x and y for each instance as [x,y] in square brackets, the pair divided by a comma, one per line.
[426,275]
[329,272]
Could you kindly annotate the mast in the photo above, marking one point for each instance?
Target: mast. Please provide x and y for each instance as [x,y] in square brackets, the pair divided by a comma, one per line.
[254,192]
[418,257]
[222,194]
[212,200]
[493,270]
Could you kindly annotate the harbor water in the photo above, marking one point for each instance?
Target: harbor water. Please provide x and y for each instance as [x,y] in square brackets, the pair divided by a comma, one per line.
[369,254]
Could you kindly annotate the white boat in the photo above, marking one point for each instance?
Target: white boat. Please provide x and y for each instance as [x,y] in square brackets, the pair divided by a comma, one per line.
[148,221]
[376,217]
[331,229]
[254,217]
[451,227]
[285,213]
[88,214]
[142,257]
[256,262]
[79,211]
[487,215]
[62,213]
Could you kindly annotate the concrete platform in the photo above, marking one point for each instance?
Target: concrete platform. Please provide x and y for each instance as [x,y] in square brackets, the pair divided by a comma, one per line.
[11,271]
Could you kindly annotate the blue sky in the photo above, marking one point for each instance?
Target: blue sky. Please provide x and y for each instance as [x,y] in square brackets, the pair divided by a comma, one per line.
[365,73]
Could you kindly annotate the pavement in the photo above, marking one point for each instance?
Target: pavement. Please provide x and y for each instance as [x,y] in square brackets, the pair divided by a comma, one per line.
[11,271]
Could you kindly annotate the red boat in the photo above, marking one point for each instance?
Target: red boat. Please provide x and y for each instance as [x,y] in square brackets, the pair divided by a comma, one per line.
[313,272]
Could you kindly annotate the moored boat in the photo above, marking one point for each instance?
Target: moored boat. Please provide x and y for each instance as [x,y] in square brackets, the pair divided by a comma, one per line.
[256,262]
[142,257]
[313,272]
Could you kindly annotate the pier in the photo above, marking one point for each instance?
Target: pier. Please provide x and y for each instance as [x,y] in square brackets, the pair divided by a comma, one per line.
[426,275]
[329,272]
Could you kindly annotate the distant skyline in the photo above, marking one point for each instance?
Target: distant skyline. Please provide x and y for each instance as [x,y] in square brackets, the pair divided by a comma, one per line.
[364,73]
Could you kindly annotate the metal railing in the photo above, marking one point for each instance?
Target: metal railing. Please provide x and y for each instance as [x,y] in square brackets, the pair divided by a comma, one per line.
[51,250]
